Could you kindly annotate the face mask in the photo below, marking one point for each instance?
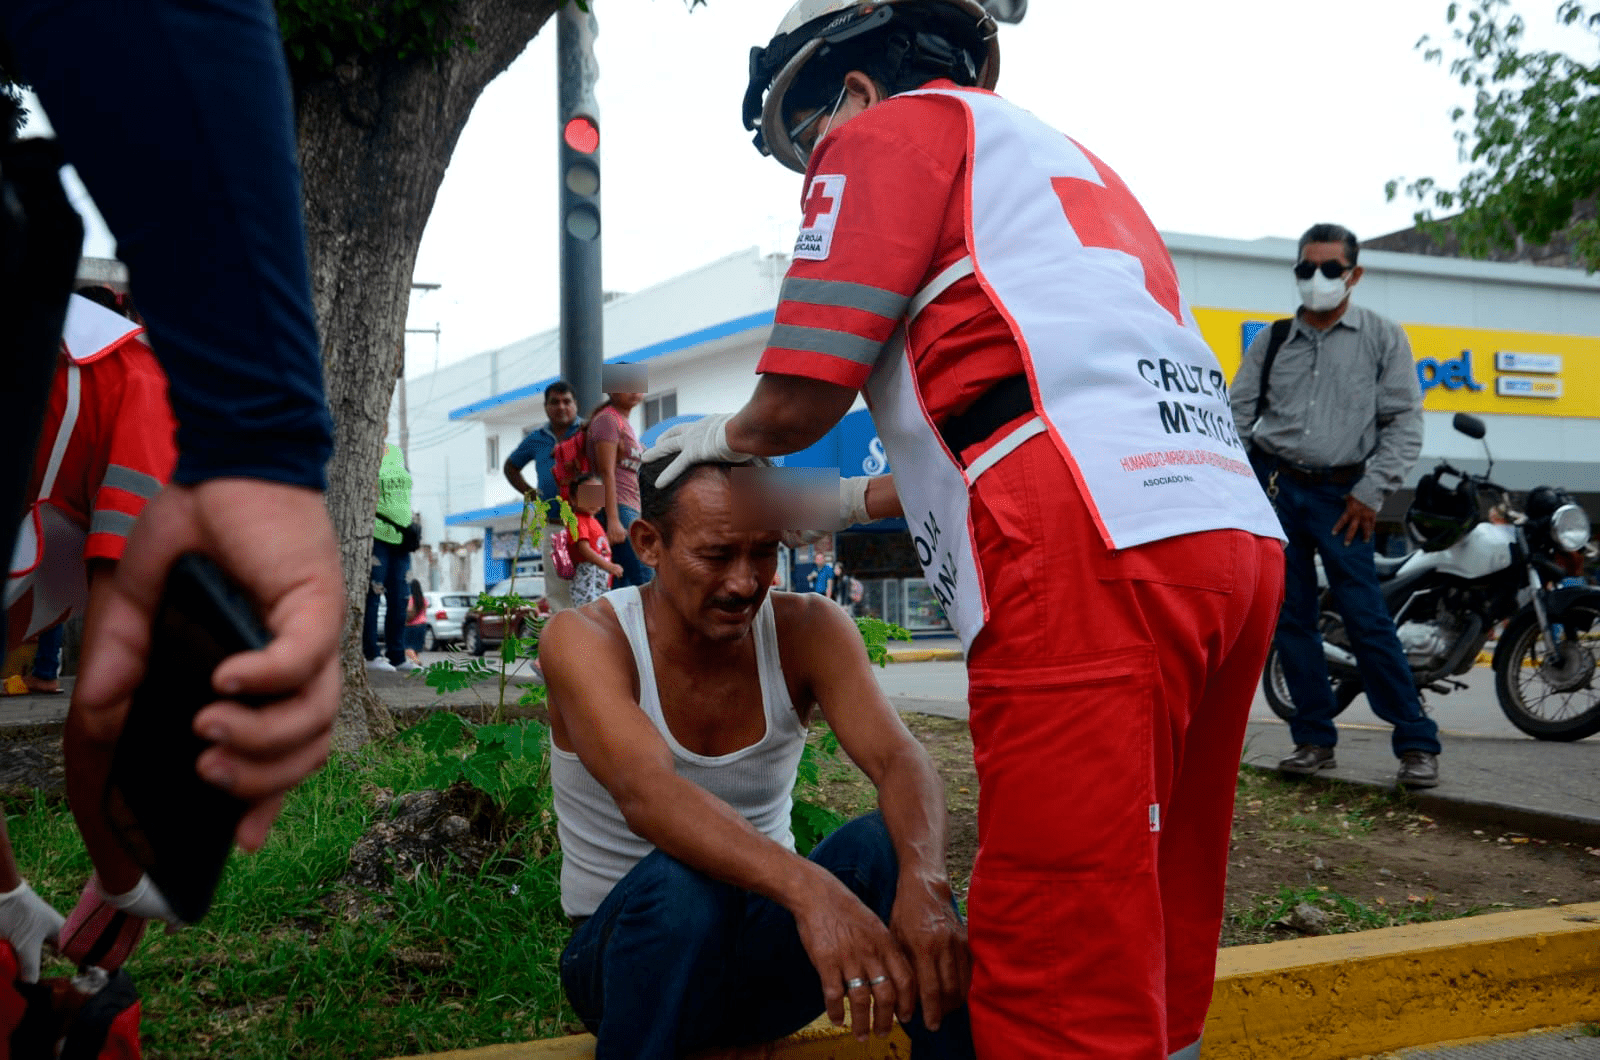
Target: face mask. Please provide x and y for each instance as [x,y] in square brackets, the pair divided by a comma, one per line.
[1320,294]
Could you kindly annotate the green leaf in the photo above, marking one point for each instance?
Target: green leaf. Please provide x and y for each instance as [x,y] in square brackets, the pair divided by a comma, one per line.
[812,824]
[481,769]
[441,773]
[437,733]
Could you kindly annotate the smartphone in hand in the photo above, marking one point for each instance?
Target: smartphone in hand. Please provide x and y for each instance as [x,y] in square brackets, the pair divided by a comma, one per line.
[176,826]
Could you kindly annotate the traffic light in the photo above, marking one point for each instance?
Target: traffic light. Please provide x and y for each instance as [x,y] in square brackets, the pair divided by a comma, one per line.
[578,115]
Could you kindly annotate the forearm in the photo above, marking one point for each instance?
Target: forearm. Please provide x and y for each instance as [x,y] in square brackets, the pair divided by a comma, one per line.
[586,553]
[1399,445]
[883,499]
[911,798]
[10,875]
[518,483]
[691,825]
[787,414]
[88,745]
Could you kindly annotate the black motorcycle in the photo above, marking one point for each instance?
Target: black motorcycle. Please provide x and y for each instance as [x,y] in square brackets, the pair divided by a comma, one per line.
[1469,574]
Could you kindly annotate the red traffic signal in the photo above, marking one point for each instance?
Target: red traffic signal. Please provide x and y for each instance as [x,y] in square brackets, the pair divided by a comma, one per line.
[582,135]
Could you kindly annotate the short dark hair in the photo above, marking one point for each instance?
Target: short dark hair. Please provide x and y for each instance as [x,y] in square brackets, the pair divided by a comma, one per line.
[1331,233]
[659,504]
[560,386]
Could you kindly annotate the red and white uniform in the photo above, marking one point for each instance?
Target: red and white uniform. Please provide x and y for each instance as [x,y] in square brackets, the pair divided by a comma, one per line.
[1109,559]
[107,447]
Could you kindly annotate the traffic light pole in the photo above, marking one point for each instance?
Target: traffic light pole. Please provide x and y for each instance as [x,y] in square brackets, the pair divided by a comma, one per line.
[578,130]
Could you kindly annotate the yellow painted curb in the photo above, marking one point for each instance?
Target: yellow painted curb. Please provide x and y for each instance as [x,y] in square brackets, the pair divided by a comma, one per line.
[1323,998]
[1354,995]
[928,655]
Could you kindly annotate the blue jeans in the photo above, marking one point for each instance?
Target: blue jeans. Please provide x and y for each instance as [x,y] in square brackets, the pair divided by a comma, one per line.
[390,567]
[47,659]
[633,572]
[674,961]
[1308,513]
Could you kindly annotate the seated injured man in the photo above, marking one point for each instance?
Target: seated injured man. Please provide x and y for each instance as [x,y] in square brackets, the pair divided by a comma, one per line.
[678,711]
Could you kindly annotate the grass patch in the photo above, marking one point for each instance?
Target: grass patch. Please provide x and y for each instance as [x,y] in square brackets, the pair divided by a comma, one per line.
[1265,919]
[290,963]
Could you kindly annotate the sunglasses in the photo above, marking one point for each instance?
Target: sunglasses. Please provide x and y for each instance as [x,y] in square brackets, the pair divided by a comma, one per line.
[1331,269]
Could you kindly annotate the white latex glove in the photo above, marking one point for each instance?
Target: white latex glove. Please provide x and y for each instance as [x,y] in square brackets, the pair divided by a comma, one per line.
[144,901]
[705,441]
[27,922]
[852,510]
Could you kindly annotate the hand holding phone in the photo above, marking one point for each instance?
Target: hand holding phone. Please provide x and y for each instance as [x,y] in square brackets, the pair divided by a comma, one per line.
[174,825]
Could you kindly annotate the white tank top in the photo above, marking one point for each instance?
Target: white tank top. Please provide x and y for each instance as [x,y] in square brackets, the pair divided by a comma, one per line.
[597,849]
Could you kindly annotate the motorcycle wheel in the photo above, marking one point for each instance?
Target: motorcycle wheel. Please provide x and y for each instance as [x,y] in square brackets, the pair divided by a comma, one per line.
[1276,688]
[1551,697]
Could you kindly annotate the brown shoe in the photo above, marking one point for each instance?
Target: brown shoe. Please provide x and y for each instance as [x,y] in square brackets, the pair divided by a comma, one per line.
[1419,769]
[1307,759]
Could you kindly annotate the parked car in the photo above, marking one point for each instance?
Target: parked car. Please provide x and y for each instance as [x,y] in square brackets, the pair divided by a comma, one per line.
[482,630]
[445,612]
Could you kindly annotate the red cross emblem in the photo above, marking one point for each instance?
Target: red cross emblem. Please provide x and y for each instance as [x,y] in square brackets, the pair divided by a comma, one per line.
[820,204]
[1109,216]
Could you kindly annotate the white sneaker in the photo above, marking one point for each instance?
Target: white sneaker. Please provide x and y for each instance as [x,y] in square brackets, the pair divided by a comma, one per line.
[380,664]
[405,667]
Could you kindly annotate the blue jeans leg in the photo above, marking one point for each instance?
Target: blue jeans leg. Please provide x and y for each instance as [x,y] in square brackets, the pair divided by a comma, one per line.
[1298,637]
[673,961]
[1353,581]
[390,567]
[47,659]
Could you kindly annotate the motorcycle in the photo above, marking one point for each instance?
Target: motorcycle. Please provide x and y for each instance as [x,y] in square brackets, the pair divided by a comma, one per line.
[1467,576]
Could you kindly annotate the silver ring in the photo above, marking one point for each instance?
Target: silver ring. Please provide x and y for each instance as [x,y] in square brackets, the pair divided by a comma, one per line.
[878,979]
[855,984]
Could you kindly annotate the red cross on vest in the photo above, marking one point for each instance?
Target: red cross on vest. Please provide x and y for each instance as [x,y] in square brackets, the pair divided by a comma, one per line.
[820,204]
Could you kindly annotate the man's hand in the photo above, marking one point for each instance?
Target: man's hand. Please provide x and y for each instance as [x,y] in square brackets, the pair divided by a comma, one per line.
[703,441]
[277,542]
[925,924]
[848,945]
[614,531]
[1357,518]
[27,922]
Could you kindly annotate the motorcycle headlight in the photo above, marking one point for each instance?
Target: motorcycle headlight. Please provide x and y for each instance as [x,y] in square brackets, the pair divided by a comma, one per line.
[1569,527]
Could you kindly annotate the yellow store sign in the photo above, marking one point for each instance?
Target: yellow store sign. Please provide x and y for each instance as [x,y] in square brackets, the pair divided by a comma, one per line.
[1507,373]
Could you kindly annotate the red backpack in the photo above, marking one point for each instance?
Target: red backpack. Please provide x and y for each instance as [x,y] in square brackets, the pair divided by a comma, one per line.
[569,460]
[54,1019]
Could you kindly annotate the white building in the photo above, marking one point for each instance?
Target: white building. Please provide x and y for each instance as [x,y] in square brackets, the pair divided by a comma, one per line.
[1514,344]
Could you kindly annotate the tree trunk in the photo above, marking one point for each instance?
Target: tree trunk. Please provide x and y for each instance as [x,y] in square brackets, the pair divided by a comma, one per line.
[375,138]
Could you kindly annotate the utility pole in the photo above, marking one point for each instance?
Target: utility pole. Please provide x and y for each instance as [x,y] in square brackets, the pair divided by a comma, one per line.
[405,430]
[578,117]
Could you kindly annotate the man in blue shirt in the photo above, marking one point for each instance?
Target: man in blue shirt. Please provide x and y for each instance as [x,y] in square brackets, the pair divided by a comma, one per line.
[561,407]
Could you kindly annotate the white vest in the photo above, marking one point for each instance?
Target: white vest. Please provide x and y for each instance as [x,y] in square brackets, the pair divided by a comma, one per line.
[1125,385]
[47,574]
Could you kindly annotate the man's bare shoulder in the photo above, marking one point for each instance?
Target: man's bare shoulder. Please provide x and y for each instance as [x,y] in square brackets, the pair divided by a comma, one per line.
[811,619]
[581,637]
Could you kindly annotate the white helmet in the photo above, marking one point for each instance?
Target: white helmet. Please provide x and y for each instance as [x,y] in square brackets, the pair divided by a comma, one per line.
[812,26]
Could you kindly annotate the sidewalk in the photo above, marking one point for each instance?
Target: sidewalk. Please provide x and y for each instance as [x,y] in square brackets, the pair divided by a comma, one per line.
[1548,789]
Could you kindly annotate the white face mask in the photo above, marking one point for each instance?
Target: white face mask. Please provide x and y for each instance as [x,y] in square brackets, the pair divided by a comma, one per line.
[1320,294]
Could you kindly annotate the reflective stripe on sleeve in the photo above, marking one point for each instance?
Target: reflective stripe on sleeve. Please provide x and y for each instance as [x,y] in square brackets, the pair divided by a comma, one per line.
[106,521]
[839,294]
[840,344]
[130,481]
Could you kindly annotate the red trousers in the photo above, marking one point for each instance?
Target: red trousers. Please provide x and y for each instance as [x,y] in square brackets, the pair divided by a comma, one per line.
[1109,694]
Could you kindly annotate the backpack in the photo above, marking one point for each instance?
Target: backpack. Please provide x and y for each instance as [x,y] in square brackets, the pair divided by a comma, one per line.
[558,546]
[569,460]
[53,1019]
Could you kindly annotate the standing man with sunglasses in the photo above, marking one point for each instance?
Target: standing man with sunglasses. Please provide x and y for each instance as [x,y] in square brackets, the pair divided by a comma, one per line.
[1334,422]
